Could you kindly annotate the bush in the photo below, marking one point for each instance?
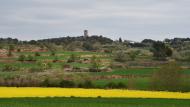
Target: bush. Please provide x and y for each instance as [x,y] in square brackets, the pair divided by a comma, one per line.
[46,83]
[88,46]
[113,85]
[120,56]
[30,58]
[44,65]
[48,65]
[86,84]
[9,54]
[72,58]
[67,84]
[121,85]
[55,59]
[133,54]
[185,86]
[9,68]
[21,58]
[52,53]
[95,64]
[37,54]
[161,51]
[167,78]
[10,49]
[18,50]
[36,69]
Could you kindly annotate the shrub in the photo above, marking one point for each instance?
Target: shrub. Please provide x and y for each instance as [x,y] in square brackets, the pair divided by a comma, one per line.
[133,54]
[111,85]
[21,58]
[44,65]
[55,59]
[30,58]
[72,58]
[95,64]
[120,56]
[46,83]
[10,48]
[37,54]
[167,78]
[18,50]
[67,84]
[161,51]
[121,85]
[9,68]
[185,87]
[36,69]
[49,65]
[52,53]
[86,84]
[88,46]
[9,54]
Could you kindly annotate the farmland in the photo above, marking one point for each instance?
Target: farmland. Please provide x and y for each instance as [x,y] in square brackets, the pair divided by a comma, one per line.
[98,53]
[92,102]
[131,76]
[47,74]
[11,92]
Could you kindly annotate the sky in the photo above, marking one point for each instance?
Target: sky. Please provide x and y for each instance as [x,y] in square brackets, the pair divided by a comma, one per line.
[129,19]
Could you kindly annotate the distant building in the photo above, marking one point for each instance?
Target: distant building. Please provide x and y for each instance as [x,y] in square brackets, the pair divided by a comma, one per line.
[86,33]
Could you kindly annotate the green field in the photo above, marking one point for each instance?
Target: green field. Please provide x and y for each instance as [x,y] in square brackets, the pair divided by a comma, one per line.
[134,71]
[92,102]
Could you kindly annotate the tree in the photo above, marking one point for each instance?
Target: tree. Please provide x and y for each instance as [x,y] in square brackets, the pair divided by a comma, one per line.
[9,68]
[120,56]
[9,54]
[167,78]
[133,55]
[120,40]
[88,46]
[95,64]
[161,51]
[11,48]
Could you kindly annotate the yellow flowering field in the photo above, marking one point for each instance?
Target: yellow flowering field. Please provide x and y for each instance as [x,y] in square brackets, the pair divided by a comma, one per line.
[9,92]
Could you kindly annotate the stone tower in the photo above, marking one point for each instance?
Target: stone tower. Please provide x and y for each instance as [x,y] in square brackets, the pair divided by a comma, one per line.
[85,33]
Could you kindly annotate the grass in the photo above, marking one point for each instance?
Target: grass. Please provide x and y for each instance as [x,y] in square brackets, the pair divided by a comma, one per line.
[138,83]
[142,71]
[92,102]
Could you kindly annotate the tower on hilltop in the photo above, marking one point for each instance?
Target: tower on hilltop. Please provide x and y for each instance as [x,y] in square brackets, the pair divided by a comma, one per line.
[86,33]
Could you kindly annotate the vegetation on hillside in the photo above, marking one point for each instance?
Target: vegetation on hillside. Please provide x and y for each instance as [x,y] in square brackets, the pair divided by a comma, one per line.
[96,62]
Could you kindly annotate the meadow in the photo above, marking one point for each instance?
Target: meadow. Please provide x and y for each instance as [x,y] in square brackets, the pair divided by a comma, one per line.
[92,102]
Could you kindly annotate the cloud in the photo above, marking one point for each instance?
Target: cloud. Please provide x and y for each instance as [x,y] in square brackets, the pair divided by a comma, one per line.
[129,19]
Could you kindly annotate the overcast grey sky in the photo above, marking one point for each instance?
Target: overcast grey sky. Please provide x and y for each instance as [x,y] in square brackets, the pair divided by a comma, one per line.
[129,19]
